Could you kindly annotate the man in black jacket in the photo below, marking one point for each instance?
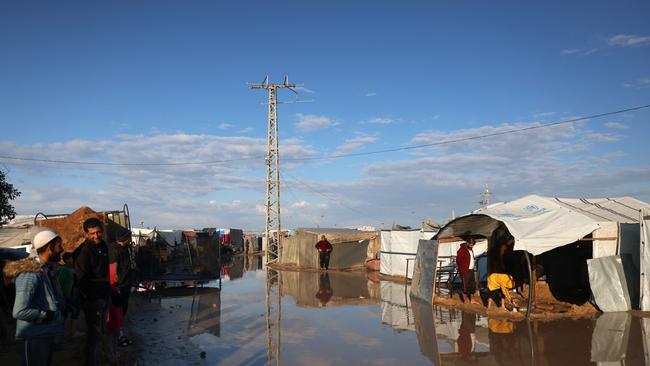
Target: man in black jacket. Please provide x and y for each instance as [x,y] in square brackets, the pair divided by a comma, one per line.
[91,269]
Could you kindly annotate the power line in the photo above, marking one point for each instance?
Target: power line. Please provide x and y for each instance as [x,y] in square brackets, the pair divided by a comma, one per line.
[500,133]
[332,199]
[335,156]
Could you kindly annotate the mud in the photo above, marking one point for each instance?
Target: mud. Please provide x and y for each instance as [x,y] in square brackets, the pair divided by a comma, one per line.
[547,307]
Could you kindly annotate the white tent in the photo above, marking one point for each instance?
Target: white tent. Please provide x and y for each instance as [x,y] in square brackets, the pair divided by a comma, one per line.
[396,247]
[540,224]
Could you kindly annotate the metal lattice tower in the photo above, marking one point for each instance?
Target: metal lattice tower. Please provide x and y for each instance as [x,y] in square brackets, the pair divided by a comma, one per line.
[272,228]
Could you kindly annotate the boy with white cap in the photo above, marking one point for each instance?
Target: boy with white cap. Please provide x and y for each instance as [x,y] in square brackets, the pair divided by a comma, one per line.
[39,303]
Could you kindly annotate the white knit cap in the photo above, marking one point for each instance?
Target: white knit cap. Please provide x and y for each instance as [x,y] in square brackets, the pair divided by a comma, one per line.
[43,237]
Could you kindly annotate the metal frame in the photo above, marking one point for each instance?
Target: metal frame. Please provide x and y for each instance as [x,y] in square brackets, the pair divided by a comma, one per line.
[272,202]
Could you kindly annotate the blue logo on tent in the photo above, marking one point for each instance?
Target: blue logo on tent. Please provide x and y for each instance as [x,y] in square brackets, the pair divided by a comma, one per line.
[534,209]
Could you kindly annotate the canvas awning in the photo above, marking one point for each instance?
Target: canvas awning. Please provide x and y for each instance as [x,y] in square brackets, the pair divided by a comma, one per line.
[538,224]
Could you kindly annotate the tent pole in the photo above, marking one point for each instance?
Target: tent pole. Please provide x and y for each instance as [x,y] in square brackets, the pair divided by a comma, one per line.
[530,284]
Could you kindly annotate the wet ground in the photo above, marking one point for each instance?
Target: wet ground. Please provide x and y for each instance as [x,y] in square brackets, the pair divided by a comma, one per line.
[343,318]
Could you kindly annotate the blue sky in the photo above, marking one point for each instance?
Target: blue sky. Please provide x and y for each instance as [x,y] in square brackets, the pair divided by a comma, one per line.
[165,82]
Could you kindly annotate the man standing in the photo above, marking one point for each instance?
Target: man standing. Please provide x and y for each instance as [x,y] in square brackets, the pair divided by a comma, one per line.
[39,303]
[465,265]
[120,255]
[324,250]
[91,269]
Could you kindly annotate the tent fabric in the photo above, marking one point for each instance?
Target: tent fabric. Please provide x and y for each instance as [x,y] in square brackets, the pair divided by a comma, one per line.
[538,224]
[644,219]
[396,247]
[608,284]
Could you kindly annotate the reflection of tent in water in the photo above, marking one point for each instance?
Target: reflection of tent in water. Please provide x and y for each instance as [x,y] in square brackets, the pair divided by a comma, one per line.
[395,306]
[206,312]
[561,234]
[318,289]
[176,255]
[613,338]
[351,247]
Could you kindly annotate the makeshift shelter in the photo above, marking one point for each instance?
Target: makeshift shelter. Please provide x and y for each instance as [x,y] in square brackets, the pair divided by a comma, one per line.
[562,233]
[350,247]
[398,249]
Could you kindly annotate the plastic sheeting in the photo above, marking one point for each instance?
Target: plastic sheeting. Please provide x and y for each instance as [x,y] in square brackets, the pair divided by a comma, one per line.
[425,270]
[397,247]
[608,284]
[644,219]
[538,224]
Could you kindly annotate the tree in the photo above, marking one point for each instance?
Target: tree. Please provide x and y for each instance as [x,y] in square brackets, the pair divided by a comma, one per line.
[7,194]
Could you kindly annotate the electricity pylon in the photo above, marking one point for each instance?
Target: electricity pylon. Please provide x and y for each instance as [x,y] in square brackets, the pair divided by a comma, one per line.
[273,240]
[485,202]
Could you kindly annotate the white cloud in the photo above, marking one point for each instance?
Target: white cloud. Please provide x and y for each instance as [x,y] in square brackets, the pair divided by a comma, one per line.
[198,194]
[300,204]
[616,125]
[578,51]
[312,122]
[246,130]
[628,40]
[224,126]
[371,94]
[381,120]
[639,83]
[603,137]
[570,51]
[303,89]
[544,114]
[355,143]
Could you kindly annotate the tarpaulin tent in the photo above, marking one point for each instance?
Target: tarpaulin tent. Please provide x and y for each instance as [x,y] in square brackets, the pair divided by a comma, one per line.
[398,246]
[541,224]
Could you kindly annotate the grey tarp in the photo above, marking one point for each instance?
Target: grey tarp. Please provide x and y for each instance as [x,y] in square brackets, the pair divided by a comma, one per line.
[425,270]
[608,284]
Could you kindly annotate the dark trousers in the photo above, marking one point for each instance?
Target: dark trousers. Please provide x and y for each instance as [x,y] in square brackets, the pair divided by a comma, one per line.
[469,284]
[95,313]
[495,295]
[125,293]
[324,260]
[35,351]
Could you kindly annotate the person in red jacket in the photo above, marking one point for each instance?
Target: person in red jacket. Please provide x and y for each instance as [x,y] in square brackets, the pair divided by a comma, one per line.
[324,250]
[465,264]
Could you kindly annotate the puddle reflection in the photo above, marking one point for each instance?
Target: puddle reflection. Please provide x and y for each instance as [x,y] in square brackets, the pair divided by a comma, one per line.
[468,339]
[343,318]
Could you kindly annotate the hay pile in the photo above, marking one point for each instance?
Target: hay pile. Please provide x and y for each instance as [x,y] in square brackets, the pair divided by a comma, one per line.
[70,227]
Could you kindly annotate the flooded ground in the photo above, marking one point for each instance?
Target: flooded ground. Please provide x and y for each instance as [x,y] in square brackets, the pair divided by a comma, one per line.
[342,318]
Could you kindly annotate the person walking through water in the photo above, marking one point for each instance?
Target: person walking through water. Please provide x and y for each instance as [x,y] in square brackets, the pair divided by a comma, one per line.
[92,271]
[465,263]
[39,303]
[324,250]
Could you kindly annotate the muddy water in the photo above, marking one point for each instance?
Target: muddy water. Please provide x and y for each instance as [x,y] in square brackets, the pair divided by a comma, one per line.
[339,318]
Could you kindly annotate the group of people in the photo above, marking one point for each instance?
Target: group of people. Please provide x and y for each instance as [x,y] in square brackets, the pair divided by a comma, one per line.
[499,282]
[96,278]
